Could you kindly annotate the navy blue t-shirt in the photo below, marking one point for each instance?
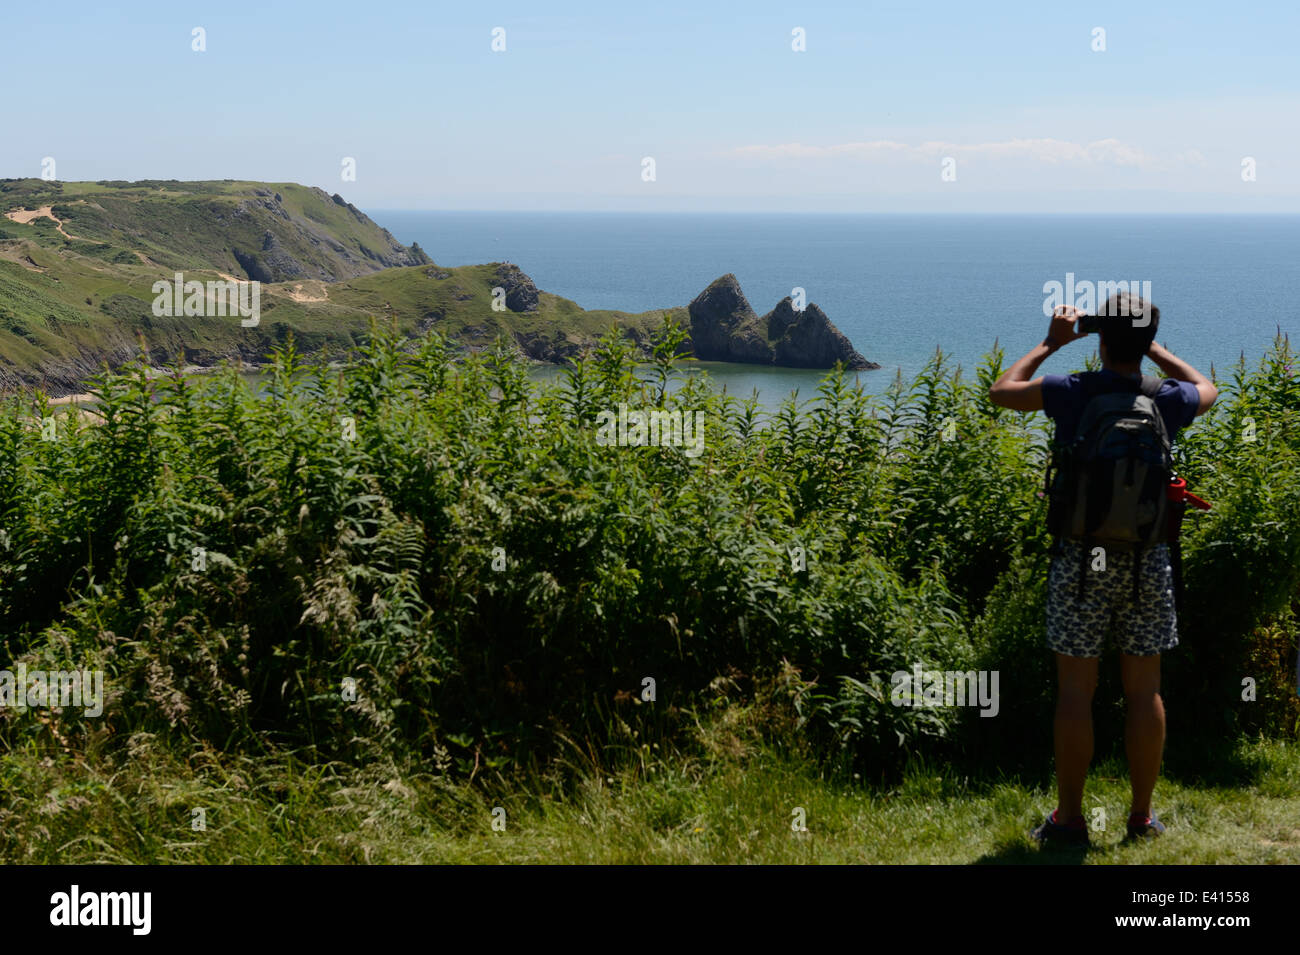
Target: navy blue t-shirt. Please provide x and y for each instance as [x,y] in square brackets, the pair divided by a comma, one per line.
[1063,402]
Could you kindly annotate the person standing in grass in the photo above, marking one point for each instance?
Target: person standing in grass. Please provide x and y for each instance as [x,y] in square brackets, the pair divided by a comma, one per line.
[1102,575]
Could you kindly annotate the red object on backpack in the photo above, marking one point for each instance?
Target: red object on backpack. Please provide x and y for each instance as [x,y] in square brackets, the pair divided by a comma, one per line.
[1180,497]
[1177,491]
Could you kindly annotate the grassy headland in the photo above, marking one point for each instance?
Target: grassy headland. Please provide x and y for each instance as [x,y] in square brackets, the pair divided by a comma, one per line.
[77,270]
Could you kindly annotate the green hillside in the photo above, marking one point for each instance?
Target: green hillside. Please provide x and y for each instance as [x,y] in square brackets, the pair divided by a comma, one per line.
[212,225]
[76,279]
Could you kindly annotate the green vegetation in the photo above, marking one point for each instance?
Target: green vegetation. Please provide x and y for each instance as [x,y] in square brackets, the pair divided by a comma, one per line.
[203,225]
[68,306]
[499,585]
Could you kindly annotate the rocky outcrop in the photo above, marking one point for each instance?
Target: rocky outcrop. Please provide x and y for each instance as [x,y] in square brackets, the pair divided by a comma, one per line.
[278,261]
[253,267]
[811,341]
[725,328]
[272,263]
[521,292]
[558,347]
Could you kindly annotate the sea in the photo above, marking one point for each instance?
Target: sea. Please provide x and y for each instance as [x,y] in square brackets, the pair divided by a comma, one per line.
[902,286]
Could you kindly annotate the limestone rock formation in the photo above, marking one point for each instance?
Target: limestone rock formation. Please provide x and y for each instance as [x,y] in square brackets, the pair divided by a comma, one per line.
[725,328]
[521,292]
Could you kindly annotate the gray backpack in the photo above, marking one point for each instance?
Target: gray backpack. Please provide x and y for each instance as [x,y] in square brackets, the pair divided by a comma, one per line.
[1108,487]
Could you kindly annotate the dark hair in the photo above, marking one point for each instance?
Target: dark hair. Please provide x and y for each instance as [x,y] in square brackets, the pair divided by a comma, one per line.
[1128,326]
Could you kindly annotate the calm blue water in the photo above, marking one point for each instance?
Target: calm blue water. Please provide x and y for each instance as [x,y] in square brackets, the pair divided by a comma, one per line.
[899,286]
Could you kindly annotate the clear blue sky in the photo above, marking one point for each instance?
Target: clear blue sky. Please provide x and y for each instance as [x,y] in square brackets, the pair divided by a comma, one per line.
[733,117]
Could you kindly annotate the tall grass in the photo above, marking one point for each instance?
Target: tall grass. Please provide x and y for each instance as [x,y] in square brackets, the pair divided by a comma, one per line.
[499,586]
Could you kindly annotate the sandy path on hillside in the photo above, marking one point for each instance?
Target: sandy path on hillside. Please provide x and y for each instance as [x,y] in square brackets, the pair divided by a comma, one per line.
[298,295]
[27,217]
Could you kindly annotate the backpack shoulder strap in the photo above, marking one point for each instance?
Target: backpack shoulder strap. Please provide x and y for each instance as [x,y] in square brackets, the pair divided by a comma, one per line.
[1151,386]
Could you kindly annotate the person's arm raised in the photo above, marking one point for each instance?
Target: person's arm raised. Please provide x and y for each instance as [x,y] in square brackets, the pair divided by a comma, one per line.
[1176,368]
[1018,389]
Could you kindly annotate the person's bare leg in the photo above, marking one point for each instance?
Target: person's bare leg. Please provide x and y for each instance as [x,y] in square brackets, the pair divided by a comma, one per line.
[1076,679]
[1144,726]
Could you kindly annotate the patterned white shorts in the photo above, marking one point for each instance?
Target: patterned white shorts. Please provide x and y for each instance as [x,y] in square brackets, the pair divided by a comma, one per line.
[1077,627]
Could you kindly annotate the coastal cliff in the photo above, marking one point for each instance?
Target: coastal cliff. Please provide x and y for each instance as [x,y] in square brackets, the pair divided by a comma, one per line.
[79,261]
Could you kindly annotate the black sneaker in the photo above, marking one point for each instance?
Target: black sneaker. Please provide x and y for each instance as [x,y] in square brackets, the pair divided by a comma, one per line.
[1052,833]
[1147,828]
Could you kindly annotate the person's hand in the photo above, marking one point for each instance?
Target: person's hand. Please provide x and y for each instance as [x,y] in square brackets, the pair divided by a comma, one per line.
[1061,331]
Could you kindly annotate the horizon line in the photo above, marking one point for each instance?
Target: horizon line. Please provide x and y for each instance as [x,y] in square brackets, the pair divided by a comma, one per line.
[865,212]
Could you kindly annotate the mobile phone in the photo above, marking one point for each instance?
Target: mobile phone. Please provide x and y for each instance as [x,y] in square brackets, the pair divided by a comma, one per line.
[1087,325]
